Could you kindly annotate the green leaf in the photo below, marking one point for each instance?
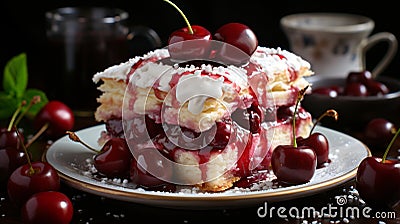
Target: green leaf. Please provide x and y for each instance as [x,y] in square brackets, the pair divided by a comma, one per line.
[8,105]
[28,95]
[15,77]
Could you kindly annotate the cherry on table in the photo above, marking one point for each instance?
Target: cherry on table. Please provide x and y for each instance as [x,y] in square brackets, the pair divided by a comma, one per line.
[377,182]
[8,135]
[378,132]
[31,178]
[10,160]
[378,179]
[9,138]
[54,118]
[50,207]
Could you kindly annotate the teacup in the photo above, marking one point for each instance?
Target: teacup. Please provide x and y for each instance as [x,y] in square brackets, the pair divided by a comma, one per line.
[336,43]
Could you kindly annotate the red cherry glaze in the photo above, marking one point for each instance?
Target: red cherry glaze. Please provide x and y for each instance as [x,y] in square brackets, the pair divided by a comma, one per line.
[59,117]
[251,179]
[22,183]
[145,128]
[10,160]
[319,143]
[293,165]
[114,158]
[47,207]
[9,138]
[379,183]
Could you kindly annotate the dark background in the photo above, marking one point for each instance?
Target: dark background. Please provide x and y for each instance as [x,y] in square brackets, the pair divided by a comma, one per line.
[22,23]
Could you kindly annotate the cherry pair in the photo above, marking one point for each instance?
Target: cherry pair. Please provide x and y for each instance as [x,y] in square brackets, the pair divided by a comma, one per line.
[296,164]
[198,43]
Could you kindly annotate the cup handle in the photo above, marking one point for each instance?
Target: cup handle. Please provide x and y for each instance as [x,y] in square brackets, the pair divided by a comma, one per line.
[151,37]
[387,58]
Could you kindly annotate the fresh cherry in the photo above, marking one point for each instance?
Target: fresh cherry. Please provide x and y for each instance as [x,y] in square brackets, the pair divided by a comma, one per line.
[31,178]
[357,80]
[329,91]
[294,164]
[152,171]
[10,160]
[356,84]
[355,89]
[113,159]
[378,179]
[358,76]
[188,43]
[54,118]
[240,37]
[8,135]
[378,132]
[9,138]
[51,207]
[318,141]
[376,88]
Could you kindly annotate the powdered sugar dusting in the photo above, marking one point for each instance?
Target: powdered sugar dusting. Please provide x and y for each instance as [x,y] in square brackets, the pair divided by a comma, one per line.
[266,184]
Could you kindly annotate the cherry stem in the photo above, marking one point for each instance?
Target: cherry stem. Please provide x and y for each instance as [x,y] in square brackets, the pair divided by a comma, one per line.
[34,100]
[31,170]
[14,116]
[183,15]
[390,146]
[37,135]
[330,113]
[75,138]
[299,98]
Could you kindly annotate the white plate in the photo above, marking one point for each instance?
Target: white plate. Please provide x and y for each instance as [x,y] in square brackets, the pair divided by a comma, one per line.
[70,159]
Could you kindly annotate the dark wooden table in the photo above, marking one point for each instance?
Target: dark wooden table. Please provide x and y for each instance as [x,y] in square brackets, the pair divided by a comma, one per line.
[90,208]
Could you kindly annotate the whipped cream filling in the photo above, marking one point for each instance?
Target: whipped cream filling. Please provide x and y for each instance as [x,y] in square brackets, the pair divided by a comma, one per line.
[196,88]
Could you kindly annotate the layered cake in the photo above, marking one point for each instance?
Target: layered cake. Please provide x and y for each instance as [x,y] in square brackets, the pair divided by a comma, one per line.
[210,124]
